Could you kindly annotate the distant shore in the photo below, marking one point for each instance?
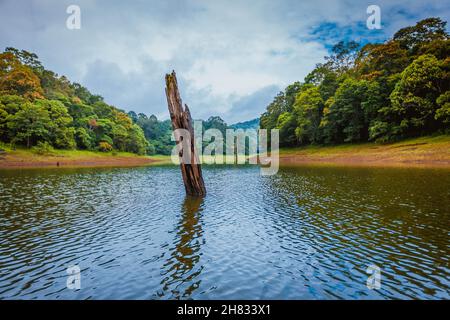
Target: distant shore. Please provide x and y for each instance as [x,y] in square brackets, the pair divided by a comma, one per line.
[419,152]
[17,159]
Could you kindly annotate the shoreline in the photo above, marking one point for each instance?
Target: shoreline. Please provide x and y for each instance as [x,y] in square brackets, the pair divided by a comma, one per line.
[433,152]
[25,159]
[365,163]
[430,152]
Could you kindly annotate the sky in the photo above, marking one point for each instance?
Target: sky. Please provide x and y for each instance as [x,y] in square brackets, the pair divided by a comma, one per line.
[231,57]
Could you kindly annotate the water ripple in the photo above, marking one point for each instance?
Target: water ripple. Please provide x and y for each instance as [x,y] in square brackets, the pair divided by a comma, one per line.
[305,233]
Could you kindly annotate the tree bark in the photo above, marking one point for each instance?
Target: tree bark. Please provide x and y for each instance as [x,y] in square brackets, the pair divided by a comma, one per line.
[181,119]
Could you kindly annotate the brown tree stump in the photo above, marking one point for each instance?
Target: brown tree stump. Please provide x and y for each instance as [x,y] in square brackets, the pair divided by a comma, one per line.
[191,169]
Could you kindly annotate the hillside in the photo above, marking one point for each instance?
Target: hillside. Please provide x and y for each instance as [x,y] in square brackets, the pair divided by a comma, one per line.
[380,92]
[39,107]
[250,124]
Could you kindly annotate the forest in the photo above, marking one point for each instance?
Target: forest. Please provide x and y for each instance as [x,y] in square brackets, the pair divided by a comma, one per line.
[376,92]
[40,109]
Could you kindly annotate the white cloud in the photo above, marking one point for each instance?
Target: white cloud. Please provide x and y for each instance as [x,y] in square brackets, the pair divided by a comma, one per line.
[223,51]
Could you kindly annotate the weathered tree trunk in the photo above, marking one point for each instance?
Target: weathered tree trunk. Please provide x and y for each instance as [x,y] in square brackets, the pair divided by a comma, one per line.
[191,170]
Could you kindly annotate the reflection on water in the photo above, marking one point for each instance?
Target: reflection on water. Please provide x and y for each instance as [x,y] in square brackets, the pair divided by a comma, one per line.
[180,271]
[305,233]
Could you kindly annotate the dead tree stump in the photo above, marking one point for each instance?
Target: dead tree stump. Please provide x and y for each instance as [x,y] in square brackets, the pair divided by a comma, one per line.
[191,169]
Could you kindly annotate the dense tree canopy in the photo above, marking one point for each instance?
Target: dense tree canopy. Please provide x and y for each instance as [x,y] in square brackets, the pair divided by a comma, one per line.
[380,92]
[37,105]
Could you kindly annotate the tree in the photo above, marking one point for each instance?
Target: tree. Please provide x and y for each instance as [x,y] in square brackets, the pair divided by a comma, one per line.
[18,79]
[133,116]
[56,88]
[158,133]
[61,132]
[3,123]
[136,141]
[414,98]
[328,124]
[308,109]
[104,128]
[286,124]
[376,60]
[443,113]
[345,115]
[105,146]
[438,48]
[12,103]
[269,118]
[27,58]
[290,94]
[83,139]
[426,30]
[29,124]
[282,104]
[102,109]
[215,122]
[30,95]
[380,92]
[81,113]
[343,56]
[9,105]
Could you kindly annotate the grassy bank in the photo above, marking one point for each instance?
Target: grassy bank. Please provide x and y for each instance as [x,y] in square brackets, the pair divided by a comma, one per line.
[26,158]
[424,151]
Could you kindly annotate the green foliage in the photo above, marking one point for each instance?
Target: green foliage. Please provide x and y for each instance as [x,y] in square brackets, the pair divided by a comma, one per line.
[158,133]
[104,146]
[43,149]
[215,123]
[414,97]
[136,141]
[61,132]
[343,57]
[27,58]
[106,138]
[17,78]
[283,102]
[83,139]
[38,106]
[286,124]
[424,31]
[308,109]
[380,92]
[380,131]
[3,122]
[251,124]
[348,112]
[378,60]
[443,113]
[30,124]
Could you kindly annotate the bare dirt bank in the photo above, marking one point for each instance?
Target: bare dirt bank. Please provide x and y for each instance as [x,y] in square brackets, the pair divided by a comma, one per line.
[423,152]
[26,160]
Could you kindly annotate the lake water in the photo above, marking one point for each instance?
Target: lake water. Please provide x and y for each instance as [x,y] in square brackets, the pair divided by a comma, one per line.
[305,233]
